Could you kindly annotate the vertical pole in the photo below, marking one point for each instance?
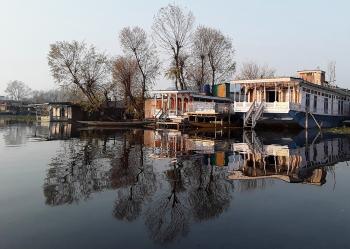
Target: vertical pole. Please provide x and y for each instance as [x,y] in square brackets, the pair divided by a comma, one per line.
[155,105]
[239,93]
[168,101]
[306,119]
[288,93]
[182,105]
[255,94]
[264,92]
[176,103]
[162,101]
[234,90]
[275,92]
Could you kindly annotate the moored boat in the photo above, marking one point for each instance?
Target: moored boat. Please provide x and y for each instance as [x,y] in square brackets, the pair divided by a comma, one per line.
[307,101]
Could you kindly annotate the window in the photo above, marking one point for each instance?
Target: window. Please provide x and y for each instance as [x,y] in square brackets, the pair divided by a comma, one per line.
[307,101]
[315,103]
[341,112]
[325,105]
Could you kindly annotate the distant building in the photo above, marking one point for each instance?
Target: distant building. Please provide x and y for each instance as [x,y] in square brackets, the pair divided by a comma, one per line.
[65,111]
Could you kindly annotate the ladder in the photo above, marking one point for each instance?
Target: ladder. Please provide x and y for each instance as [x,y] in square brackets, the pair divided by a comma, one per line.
[253,115]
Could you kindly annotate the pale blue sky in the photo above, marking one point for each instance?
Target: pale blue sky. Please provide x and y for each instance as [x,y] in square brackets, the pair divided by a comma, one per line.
[288,35]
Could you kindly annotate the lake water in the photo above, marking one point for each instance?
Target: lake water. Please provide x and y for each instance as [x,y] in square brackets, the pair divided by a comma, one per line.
[63,187]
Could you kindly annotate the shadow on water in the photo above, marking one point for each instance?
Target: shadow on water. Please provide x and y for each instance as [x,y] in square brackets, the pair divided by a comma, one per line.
[172,180]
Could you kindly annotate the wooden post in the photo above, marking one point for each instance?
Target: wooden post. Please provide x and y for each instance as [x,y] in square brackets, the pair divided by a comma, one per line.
[255,94]
[239,93]
[275,92]
[176,103]
[182,105]
[155,105]
[264,92]
[288,93]
[162,102]
[306,119]
[168,104]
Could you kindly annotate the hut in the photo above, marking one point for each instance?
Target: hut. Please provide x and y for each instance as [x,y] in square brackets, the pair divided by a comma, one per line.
[64,112]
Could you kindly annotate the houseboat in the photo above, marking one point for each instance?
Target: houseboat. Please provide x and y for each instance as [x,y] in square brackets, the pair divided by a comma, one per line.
[307,101]
[182,107]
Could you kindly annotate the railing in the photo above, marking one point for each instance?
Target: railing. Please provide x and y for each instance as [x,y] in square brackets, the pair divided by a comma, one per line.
[258,113]
[269,107]
[249,112]
[210,107]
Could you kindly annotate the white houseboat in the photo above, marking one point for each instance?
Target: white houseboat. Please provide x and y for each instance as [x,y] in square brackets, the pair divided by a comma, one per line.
[307,101]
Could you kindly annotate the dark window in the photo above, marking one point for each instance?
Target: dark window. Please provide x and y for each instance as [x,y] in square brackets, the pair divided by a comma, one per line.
[307,101]
[315,103]
[326,105]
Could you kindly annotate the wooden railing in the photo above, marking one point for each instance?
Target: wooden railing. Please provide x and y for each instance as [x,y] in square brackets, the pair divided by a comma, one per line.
[210,107]
[269,107]
[249,112]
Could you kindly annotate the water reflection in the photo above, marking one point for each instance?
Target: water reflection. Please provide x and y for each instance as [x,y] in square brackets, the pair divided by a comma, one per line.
[171,180]
[308,163]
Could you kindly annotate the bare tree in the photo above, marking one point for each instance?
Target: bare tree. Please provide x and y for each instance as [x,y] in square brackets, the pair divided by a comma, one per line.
[331,72]
[220,53]
[126,76]
[198,72]
[17,90]
[172,30]
[251,70]
[135,43]
[76,63]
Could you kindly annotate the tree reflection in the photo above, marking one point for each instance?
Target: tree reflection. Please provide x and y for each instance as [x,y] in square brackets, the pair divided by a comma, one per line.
[211,193]
[80,167]
[137,182]
[168,216]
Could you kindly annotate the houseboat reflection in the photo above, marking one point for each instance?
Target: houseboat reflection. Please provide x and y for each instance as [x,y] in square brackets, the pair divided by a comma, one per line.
[307,163]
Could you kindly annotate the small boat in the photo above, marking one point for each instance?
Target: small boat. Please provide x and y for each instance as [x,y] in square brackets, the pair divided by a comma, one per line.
[115,124]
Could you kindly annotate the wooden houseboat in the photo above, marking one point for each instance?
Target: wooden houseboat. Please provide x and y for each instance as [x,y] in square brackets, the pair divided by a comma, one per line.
[307,101]
[197,109]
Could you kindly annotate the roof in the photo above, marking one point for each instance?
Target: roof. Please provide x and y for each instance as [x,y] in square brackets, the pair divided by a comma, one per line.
[211,97]
[311,71]
[172,91]
[267,80]
[61,103]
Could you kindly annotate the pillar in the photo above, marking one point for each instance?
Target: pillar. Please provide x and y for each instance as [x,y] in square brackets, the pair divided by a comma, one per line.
[275,92]
[168,101]
[288,93]
[182,104]
[255,94]
[176,103]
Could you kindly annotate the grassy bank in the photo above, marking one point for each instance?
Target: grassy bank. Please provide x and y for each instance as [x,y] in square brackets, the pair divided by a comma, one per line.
[18,118]
[340,130]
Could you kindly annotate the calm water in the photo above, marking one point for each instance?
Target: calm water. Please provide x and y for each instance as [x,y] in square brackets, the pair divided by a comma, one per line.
[61,187]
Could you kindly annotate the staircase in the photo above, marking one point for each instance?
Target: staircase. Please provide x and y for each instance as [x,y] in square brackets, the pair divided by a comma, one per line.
[162,115]
[253,115]
[253,142]
[165,119]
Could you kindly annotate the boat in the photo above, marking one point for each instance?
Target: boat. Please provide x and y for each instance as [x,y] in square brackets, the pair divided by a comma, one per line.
[306,101]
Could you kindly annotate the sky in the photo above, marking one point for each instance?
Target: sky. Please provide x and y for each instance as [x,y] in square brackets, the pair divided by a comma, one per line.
[287,35]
